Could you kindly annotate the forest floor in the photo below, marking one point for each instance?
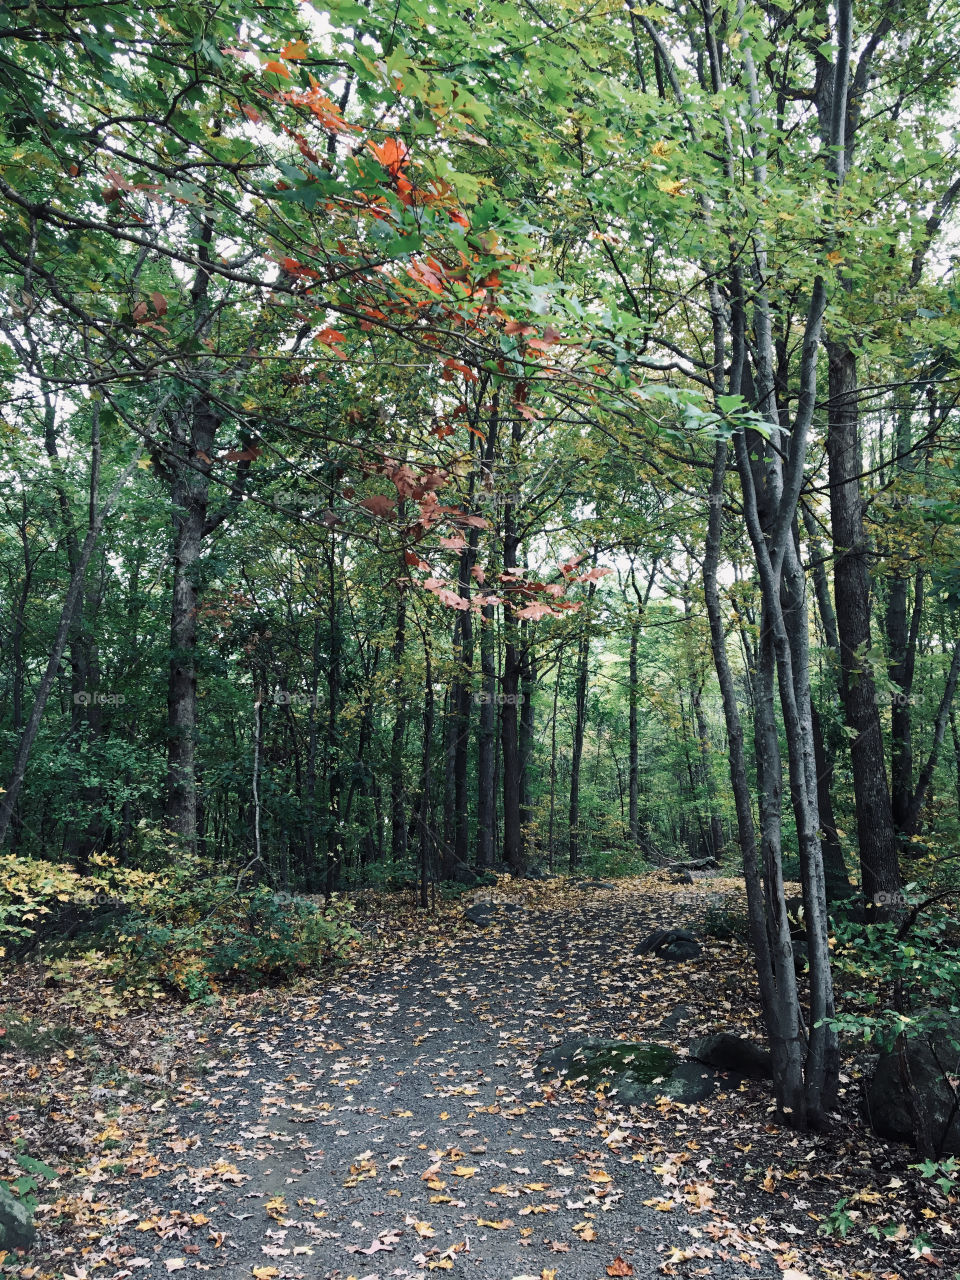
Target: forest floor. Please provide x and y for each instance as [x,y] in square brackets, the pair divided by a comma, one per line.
[389,1121]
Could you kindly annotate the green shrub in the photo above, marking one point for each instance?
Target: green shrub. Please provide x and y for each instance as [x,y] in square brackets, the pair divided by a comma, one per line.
[189,929]
[872,959]
[200,933]
[614,862]
[726,923]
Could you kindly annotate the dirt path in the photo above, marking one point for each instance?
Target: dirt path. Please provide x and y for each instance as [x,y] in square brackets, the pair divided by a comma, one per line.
[392,1125]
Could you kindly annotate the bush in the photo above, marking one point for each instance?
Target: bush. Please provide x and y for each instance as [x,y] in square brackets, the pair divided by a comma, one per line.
[602,863]
[726,923]
[873,960]
[199,933]
[40,900]
[190,930]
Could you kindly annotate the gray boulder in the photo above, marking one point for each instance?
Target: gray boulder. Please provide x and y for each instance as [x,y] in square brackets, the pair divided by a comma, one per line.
[671,944]
[16,1223]
[673,1019]
[483,914]
[635,1072]
[932,1059]
[726,1052]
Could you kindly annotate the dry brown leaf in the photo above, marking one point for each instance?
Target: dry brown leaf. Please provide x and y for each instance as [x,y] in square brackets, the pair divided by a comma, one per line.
[618,1267]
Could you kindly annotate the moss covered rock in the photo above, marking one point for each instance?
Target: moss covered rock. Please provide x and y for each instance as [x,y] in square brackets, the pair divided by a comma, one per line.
[16,1223]
[634,1071]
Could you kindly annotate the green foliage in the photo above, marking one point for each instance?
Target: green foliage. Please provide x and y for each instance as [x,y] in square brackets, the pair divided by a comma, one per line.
[874,959]
[29,1183]
[33,890]
[39,1040]
[944,1174]
[839,1220]
[624,861]
[198,933]
[726,923]
[186,929]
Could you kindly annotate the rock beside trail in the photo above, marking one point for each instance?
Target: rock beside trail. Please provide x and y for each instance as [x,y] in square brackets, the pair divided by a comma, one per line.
[726,1052]
[635,1072]
[671,944]
[675,1017]
[16,1223]
[932,1059]
[483,914]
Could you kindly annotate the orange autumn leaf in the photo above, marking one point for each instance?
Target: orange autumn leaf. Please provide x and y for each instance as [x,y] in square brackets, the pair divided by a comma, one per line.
[392,154]
[618,1267]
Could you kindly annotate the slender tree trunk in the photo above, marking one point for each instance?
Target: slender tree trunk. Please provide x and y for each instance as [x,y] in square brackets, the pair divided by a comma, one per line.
[486,744]
[633,784]
[18,770]
[334,851]
[528,683]
[398,818]
[510,716]
[426,773]
[190,509]
[579,729]
[457,822]
[311,869]
[780,1002]
[551,835]
[880,872]
[919,795]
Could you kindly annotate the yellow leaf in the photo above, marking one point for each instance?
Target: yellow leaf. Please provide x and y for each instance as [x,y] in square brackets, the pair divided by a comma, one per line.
[423,1230]
[265,1273]
[464,1170]
[496,1226]
[834,256]
[294,51]
[276,1208]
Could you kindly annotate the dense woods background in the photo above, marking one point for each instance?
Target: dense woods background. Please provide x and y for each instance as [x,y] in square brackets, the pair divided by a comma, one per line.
[443,439]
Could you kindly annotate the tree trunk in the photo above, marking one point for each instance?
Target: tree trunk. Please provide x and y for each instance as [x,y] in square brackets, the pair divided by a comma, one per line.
[486,743]
[398,818]
[426,773]
[18,770]
[880,872]
[633,784]
[528,683]
[510,713]
[919,794]
[579,729]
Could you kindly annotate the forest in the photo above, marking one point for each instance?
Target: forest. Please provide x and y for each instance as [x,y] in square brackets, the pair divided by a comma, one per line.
[501,448]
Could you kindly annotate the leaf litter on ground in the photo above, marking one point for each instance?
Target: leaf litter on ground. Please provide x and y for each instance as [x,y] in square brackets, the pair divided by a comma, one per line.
[394,1111]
